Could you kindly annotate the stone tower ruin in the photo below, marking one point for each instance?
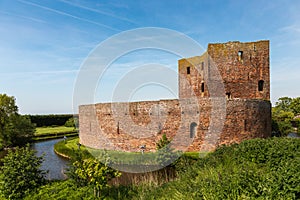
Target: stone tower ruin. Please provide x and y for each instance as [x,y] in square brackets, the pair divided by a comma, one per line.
[224,98]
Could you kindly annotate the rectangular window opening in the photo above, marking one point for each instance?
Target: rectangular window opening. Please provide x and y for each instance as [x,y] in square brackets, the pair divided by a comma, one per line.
[260,85]
[188,70]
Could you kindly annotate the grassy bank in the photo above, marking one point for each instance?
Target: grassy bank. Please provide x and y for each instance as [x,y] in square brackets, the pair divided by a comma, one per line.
[45,133]
[254,169]
[68,149]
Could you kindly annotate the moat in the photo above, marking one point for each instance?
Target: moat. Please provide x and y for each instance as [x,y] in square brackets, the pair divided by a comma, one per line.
[54,164]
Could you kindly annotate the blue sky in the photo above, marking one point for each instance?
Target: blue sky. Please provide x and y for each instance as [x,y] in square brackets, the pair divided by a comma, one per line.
[44,42]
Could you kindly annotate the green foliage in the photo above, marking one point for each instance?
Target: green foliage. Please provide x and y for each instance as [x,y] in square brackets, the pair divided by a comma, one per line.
[284,104]
[61,190]
[69,190]
[295,106]
[70,149]
[165,154]
[14,128]
[19,130]
[283,115]
[255,169]
[50,120]
[72,122]
[164,141]
[20,173]
[92,172]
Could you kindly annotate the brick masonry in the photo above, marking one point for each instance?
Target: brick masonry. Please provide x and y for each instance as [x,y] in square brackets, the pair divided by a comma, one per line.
[223,98]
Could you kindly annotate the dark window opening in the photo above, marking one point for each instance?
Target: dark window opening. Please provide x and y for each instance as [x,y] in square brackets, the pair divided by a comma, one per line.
[260,85]
[240,55]
[202,87]
[118,128]
[228,95]
[193,129]
[188,70]
[202,66]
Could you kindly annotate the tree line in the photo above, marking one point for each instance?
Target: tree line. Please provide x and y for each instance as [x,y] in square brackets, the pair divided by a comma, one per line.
[286,116]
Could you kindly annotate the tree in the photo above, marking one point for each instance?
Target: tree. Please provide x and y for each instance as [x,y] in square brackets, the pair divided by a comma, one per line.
[20,173]
[295,106]
[93,172]
[15,129]
[165,154]
[284,103]
[72,122]
[164,141]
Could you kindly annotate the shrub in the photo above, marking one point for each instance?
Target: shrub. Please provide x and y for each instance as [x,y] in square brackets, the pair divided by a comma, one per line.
[20,173]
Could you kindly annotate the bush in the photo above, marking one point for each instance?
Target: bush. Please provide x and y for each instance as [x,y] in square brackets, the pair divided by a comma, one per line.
[72,122]
[20,173]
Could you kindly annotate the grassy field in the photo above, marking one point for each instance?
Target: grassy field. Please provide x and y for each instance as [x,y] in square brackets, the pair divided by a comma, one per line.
[52,130]
[45,133]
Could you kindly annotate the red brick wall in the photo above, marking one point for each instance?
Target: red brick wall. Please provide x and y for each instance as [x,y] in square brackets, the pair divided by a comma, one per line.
[244,119]
[246,114]
[240,76]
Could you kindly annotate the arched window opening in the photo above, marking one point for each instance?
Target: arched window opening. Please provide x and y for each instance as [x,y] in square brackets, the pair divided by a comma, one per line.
[240,55]
[260,85]
[193,130]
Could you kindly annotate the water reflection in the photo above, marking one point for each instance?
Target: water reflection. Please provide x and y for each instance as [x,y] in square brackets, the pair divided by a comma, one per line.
[52,162]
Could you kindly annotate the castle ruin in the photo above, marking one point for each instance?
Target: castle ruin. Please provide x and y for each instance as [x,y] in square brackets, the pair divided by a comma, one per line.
[224,98]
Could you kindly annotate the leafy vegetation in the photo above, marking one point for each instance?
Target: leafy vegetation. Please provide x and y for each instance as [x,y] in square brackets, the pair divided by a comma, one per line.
[166,155]
[72,122]
[254,169]
[94,173]
[50,120]
[283,116]
[20,173]
[15,129]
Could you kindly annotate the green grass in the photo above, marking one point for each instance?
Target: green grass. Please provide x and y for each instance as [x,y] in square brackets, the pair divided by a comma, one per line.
[117,157]
[254,169]
[69,148]
[40,131]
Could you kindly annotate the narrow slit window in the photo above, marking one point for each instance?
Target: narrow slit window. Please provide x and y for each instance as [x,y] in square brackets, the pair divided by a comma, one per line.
[202,66]
[202,87]
[240,55]
[260,85]
[188,70]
